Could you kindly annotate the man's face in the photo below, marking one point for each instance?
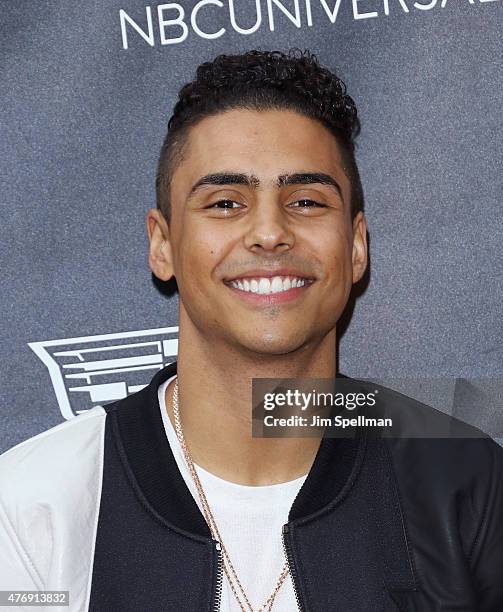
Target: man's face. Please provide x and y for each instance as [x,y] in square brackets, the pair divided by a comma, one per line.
[262,243]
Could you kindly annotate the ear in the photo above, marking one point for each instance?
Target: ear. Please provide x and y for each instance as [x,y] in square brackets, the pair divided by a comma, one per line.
[160,258]
[359,255]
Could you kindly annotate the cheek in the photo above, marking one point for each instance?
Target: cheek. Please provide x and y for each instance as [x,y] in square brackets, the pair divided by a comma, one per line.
[336,254]
[199,254]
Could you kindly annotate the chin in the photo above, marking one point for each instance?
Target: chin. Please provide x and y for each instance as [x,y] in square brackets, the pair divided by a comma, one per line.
[272,344]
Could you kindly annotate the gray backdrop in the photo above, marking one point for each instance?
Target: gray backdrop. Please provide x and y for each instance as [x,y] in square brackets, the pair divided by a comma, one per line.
[86,92]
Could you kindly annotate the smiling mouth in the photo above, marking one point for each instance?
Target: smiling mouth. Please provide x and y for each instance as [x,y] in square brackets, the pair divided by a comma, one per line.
[268,286]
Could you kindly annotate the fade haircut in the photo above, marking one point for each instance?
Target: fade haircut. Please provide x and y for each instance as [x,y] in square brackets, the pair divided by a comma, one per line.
[260,81]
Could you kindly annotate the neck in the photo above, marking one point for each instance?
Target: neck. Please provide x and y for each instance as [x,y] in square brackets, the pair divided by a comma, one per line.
[215,385]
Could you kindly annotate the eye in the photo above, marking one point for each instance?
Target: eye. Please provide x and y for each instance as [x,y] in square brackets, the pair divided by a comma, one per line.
[224,205]
[306,203]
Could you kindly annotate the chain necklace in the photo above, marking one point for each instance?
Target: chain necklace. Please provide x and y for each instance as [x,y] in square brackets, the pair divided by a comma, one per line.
[230,572]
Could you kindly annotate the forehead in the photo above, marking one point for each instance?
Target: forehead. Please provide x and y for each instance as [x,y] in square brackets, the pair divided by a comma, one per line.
[265,143]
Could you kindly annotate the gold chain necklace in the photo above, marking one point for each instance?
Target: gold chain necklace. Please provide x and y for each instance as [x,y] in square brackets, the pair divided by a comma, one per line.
[230,572]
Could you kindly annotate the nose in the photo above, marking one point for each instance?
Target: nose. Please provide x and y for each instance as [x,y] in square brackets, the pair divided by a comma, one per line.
[269,229]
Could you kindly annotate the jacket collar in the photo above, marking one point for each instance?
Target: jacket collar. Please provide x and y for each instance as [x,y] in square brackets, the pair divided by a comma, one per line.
[140,436]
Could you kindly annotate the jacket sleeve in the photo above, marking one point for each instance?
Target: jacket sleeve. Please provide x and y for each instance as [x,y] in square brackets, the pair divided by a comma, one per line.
[17,571]
[50,492]
[486,558]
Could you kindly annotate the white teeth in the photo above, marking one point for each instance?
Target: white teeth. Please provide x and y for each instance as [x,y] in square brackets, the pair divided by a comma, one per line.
[265,285]
[277,284]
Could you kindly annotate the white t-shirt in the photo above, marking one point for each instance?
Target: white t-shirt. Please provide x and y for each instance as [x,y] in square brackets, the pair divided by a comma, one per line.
[249,519]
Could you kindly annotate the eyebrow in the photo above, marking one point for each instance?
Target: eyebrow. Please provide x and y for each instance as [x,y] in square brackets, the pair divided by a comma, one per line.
[236,178]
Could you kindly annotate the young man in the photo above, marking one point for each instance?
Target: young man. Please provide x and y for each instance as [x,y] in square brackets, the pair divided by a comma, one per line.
[164,500]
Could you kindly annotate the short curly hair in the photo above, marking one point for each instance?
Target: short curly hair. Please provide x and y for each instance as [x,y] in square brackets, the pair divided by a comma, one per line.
[262,80]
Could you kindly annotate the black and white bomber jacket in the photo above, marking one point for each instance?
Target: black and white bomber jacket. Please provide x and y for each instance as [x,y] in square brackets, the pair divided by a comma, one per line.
[97,506]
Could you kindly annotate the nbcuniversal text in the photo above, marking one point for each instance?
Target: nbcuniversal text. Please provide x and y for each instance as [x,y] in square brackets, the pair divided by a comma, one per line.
[171,23]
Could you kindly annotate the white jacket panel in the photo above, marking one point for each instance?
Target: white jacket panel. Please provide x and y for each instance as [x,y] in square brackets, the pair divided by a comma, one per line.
[50,490]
